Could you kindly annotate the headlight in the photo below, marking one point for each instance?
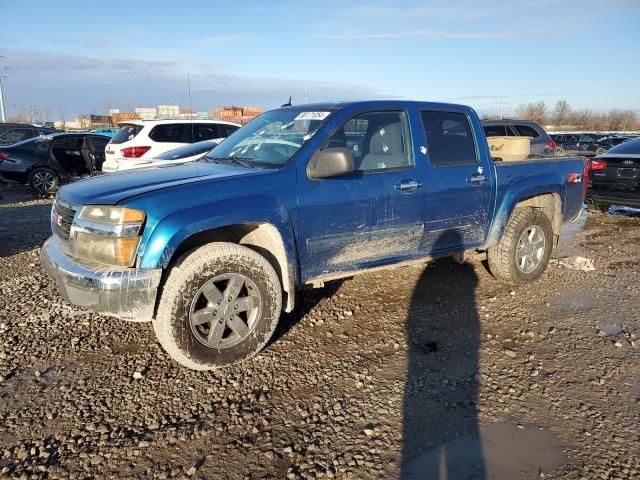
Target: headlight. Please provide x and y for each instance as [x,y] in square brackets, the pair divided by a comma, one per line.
[108,234]
[109,250]
[111,215]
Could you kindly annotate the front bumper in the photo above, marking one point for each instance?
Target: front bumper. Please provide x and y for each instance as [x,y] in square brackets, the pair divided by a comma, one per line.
[126,293]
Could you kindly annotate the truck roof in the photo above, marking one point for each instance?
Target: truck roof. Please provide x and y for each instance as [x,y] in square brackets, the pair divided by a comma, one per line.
[375,104]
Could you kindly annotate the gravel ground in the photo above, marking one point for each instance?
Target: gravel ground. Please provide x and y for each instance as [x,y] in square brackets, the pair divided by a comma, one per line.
[424,372]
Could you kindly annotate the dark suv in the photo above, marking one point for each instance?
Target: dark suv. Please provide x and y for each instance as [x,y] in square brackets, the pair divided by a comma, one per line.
[541,143]
[11,133]
[576,143]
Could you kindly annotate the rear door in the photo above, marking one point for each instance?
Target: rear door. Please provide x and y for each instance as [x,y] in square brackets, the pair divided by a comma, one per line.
[459,183]
[66,155]
[94,148]
[168,136]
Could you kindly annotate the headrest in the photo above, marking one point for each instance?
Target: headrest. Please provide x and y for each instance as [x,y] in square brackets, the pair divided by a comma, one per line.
[387,139]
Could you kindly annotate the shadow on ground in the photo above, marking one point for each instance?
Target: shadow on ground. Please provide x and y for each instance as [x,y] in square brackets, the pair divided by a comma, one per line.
[442,435]
[442,334]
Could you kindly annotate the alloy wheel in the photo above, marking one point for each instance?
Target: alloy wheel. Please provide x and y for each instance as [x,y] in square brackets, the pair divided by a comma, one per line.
[225,310]
[43,181]
[530,249]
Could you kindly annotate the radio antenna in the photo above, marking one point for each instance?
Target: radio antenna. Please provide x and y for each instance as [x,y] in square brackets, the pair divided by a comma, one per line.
[193,136]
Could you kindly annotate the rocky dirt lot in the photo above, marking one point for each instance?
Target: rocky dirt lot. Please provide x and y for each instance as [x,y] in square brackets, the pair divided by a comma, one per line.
[421,372]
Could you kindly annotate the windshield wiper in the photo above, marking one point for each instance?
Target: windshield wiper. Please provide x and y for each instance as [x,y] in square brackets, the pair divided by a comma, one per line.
[242,161]
[237,160]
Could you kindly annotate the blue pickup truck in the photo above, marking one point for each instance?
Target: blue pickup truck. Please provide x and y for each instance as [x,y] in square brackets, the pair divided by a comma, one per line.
[213,251]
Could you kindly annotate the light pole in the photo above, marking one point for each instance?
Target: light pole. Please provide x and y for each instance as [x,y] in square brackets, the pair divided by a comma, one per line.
[3,116]
[500,101]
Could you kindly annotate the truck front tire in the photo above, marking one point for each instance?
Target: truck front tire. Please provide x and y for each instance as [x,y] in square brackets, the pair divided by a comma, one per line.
[219,305]
[523,253]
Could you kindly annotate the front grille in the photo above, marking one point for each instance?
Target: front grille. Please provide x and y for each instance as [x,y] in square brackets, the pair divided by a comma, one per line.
[61,219]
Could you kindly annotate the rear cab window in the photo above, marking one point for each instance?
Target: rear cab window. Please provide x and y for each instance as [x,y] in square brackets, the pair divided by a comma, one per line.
[450,139]
[126,132]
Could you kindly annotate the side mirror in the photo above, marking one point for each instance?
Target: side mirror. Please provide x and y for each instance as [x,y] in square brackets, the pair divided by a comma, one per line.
[331,162]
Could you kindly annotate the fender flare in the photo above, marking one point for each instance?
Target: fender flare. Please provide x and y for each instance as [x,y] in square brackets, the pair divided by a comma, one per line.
[517,192]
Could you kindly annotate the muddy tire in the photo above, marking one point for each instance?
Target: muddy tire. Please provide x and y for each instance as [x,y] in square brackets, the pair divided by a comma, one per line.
[43,181]
[524,250]
[219,305]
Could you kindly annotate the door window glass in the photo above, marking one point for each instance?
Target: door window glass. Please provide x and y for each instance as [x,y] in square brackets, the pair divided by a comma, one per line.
[495,130]
[526,131]
[206,132]
[16,135]
[378,140]
[449,138]
[168,133]
[228,130]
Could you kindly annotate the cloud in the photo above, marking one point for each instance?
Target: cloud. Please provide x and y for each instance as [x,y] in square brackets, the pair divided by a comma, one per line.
[85,84]
[412,34]
[219,39]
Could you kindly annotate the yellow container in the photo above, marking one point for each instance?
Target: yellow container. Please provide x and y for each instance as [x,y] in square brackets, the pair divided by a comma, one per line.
[510,149]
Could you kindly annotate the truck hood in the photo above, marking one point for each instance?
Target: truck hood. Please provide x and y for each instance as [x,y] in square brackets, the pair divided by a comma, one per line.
[113,188]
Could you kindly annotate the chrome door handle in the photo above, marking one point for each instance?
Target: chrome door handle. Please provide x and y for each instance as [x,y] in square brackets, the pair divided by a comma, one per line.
[476,178]
[407,186]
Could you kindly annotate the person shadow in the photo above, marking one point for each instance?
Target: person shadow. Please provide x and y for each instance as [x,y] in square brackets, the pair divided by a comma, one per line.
[441,437]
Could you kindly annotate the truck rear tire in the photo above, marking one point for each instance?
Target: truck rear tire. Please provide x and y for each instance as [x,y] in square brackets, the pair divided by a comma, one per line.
[523,253]
[219,305]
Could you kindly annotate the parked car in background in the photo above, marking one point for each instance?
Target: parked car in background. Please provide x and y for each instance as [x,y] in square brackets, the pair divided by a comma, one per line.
[614,177]
[109,132]
[578,143]
[141,140]
[44,163]
[11,133]
[213,251]
[608,142]
[541,143]
[184,154]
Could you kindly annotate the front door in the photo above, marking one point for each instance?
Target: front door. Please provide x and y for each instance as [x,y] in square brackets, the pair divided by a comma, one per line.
[370,216]
[459,183]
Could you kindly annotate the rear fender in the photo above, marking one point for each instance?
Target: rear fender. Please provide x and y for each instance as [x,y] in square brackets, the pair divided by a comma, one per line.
[520,191]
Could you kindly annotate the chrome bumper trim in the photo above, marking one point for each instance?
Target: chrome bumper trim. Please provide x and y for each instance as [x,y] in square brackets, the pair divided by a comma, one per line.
[126,293]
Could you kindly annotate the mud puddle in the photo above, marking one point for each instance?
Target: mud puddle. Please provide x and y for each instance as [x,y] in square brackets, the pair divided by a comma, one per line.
[501,451]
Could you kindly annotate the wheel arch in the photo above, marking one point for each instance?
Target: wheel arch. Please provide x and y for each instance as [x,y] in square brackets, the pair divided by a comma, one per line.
[549,200]
[262,237]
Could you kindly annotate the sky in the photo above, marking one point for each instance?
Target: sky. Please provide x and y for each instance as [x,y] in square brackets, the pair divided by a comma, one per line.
[83,56]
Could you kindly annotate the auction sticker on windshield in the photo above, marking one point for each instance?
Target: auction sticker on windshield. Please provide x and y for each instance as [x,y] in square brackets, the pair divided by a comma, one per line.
[313,116]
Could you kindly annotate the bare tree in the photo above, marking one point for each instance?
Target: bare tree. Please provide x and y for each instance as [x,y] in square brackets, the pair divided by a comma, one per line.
[62,119]
[536,112]
[561,113]
[19,116]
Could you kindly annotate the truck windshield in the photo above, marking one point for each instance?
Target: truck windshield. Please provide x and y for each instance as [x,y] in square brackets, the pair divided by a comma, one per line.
[271,139]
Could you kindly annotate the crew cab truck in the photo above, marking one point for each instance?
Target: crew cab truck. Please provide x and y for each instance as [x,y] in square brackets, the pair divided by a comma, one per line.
[213,251]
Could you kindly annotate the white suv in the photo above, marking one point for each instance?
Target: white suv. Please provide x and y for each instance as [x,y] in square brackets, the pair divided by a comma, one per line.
[139,140]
